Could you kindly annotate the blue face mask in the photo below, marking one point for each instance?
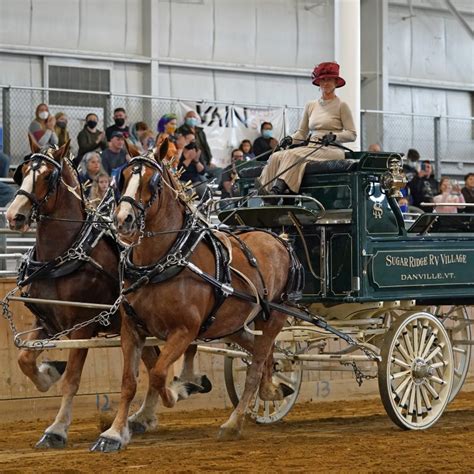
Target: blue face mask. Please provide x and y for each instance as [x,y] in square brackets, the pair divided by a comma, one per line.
[267,133]
[191,121]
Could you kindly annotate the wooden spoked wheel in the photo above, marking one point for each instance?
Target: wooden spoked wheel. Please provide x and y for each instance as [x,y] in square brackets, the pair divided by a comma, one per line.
[416,372]
[284,371]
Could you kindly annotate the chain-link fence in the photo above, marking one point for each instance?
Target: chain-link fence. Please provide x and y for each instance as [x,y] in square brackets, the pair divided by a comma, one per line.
[448,141]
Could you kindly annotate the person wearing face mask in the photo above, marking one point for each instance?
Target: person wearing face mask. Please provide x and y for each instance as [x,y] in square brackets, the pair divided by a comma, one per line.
[42,129]
[90,138]
[167,130]
[191,120]
[265,143]
[120,118]
[61,128]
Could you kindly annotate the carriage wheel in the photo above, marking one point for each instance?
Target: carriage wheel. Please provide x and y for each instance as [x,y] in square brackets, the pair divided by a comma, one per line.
[456,321]
[417,370]
[285,371]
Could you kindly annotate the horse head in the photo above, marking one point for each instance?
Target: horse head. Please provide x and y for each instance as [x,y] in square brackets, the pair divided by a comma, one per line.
[38,177]
[140,184]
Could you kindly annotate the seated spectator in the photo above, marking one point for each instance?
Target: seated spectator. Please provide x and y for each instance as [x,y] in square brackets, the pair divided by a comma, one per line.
[448,194]
[7,193]
[142,136]
[468,192]
[4,165]
[42,127]
[191,119]
[193,169]
[423,187]
[120,125]
[412,164]
[166,130]
[92,167]
[181,141]
[246,148]
[230,175]
[99,187]
[374,148]
[90,138]
[265,143]
[115,155]
[61,128]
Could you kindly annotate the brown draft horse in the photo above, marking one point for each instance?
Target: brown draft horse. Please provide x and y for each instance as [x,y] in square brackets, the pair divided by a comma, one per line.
[176,309]
[50,184]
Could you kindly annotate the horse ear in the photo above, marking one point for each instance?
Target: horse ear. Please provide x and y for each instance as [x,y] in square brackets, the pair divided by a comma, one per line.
[132,150]
[162,150]
[61,152]
[34,147]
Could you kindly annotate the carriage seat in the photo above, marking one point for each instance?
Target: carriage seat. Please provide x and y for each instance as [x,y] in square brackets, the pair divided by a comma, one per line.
[313,167]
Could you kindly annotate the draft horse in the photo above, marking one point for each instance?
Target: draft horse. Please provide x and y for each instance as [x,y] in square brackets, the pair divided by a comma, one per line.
[168,272]
[73,260]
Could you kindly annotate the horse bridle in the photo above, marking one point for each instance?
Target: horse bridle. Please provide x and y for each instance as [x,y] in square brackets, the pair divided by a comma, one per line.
[36,159]
[155,184]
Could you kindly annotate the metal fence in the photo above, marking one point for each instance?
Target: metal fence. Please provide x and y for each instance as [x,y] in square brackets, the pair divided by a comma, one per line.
[448,141]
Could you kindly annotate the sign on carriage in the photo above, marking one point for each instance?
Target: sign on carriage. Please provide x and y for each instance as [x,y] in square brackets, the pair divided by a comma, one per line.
[430,267]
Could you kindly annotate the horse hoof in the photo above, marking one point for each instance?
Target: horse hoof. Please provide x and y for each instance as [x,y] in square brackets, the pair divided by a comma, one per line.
[190,388]
[59,365]
[206,385]
[51,441]
[229,434]
[136,427]
[286,390]
[106,445]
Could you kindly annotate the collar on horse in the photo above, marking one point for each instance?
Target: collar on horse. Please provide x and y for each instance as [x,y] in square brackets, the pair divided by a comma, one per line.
[93,229]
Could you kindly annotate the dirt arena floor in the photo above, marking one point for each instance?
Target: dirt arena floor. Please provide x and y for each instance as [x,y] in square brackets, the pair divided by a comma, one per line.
[333,436]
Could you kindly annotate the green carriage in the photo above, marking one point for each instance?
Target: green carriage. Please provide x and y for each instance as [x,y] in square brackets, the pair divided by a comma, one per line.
[400,287]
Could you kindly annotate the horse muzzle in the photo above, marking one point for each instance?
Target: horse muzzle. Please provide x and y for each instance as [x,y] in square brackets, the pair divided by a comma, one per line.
[19,222]
[126,226]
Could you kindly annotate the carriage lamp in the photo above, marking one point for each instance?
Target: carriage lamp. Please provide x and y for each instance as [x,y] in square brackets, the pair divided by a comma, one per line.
[394,179]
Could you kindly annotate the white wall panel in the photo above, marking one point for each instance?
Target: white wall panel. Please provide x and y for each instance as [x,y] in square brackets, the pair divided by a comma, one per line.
[458,104]
[400,99]
[276,90]
[127,78]
[15,22]
[191,30]
[429,101]
[459,53]
[163,25]
[234,87]
[164,78]
[399,44]
[19,70]
[191,83]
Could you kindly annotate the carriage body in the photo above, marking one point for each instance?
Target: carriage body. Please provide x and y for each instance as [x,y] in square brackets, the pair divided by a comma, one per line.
[359,248]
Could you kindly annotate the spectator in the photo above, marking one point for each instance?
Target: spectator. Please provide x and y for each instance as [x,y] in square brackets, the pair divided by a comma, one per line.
[142,136]
[374,148]
[193,168]
[99,187]
[190,126]
[246,148]
[166,130]
[92,168]
[4,165]
[115,155]
[120,118]
[411,165]
[7,193]
[181,141]
[90,138]
[446,195]
[61,128]
[468,191]
[265,143]
[230,175]
[42,127]
[423,186]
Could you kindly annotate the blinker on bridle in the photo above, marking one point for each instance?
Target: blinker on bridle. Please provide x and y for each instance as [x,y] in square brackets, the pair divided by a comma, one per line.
[36,159]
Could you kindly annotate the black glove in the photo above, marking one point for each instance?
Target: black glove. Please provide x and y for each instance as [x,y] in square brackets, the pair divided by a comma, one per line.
[328,139]
[286,142]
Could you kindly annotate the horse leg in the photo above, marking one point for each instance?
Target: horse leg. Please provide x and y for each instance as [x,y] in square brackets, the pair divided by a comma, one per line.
[145,418]
[187,372]
[175,346]
[118,435]
[263,345]
[47,374]
[55,436]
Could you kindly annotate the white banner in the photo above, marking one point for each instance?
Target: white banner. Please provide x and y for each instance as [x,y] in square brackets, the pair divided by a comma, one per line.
[226,126]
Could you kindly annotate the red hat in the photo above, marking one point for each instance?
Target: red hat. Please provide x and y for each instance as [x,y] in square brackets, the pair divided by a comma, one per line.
[327,70]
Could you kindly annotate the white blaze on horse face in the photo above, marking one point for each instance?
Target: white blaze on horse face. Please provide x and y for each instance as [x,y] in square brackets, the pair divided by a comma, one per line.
[131,190]
[21,204]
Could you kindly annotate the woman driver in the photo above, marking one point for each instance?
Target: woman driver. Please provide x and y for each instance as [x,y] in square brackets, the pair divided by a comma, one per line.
[325,115]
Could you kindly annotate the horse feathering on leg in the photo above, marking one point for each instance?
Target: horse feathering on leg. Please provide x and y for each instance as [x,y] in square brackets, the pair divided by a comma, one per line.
[176,309]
